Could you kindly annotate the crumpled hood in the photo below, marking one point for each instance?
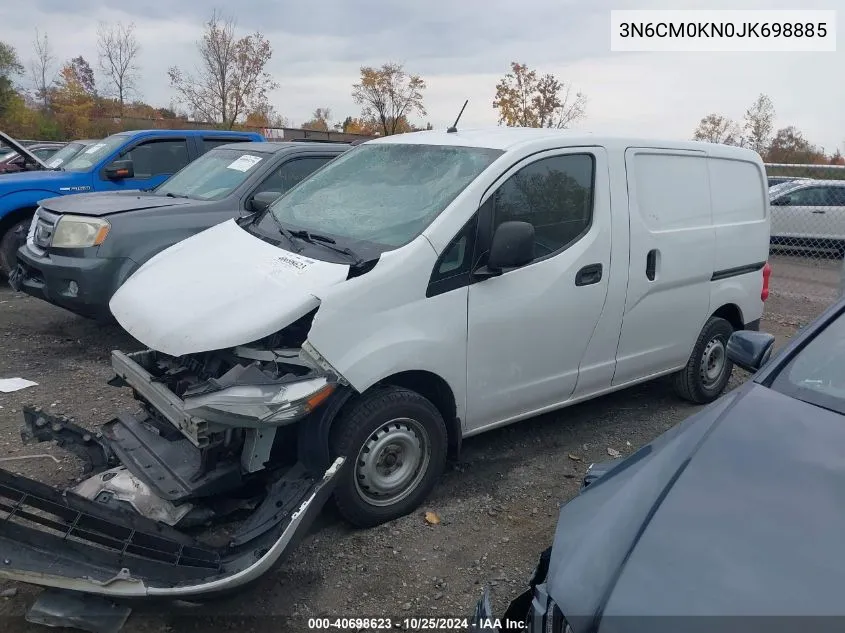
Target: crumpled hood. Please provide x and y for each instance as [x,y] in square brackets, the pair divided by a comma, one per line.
[220,288]
[713,518]
[104,203]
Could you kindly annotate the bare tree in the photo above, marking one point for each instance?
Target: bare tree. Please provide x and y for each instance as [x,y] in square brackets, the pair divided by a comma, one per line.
[388,96]
[716,128]
[230,80]
[118,49]
[760,124]
[42,69]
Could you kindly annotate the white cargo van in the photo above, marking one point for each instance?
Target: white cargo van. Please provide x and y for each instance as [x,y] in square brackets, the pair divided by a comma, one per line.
[426,287]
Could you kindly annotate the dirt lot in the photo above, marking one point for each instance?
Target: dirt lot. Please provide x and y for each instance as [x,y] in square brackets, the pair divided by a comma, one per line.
[498,506]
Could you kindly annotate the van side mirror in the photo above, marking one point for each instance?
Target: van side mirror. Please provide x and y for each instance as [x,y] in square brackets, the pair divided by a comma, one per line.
[750,350]
[119,169]
[512,247]
[262,200]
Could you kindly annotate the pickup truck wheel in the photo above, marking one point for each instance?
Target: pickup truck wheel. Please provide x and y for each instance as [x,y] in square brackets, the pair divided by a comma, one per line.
[708,369]
[395,443]
[9,246]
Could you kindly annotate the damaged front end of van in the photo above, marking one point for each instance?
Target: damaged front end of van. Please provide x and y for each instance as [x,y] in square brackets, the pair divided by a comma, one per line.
[200,491]
[218,473]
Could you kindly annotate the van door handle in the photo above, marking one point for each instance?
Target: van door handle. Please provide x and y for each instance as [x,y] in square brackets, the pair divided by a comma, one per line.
[651,264]
[590,274]
[818,211]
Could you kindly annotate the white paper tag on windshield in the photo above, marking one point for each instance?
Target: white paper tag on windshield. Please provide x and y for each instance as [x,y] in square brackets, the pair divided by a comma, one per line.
[94,148]
[55,163]
[244,163]
[296,264]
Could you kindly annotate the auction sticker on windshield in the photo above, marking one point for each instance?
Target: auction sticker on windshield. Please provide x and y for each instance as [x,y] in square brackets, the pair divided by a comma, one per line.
[292,263]
[55,163]
[94,148]
[244,163]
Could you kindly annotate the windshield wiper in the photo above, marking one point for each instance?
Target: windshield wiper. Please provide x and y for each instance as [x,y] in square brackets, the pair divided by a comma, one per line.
[174,195]
[286,232]
[327,242]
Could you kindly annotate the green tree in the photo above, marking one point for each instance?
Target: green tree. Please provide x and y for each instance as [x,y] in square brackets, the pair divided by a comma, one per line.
[10,67]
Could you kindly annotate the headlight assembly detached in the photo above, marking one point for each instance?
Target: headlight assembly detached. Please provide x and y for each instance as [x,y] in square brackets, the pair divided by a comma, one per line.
[79,231]
[270,404]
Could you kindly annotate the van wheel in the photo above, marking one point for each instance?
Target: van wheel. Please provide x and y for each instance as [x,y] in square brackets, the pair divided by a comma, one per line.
[708,368]
[395,444]
[9,246]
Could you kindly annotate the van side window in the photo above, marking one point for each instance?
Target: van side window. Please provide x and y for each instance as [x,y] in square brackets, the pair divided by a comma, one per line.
[554,194]
[454,266]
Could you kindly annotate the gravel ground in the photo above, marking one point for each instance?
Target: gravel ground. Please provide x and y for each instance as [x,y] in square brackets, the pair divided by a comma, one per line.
[498,506]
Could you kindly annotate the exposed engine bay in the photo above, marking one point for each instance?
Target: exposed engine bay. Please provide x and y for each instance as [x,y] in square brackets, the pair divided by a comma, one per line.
[216,438]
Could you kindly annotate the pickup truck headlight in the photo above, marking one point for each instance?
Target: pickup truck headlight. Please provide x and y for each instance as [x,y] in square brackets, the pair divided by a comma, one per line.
[79,231]
[272,404]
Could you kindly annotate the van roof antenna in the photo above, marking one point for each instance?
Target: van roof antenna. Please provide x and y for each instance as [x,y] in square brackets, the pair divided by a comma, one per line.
[454,128]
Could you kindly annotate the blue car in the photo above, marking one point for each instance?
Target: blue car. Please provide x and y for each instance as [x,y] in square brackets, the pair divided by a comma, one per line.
[139,159]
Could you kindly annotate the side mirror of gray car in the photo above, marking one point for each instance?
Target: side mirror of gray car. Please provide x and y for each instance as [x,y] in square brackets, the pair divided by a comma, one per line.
[750,350]
[260,201]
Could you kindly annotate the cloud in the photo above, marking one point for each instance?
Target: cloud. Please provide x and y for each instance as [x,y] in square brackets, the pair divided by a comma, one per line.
[462,49]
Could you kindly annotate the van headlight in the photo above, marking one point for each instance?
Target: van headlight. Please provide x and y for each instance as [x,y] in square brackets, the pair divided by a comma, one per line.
[79,231]
[272,404]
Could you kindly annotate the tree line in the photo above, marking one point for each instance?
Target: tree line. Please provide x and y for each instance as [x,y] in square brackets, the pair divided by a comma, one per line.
[230,88]
[786,145]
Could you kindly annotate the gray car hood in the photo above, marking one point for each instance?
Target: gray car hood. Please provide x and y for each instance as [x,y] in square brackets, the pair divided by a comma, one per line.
[105,203]
[738,511]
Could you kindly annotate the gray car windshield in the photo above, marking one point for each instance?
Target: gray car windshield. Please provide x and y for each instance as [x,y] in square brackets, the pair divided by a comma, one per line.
[382,193]
[214,175]
[94,153]
[817,373]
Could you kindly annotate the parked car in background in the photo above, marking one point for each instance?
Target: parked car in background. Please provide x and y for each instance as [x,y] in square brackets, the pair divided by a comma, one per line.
[734,516]
[809,214]
[81,248]
[67,152]
[126,161]
[778,180]
[15,162]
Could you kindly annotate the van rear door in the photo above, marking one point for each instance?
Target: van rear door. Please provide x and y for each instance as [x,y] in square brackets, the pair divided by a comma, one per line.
[671,260]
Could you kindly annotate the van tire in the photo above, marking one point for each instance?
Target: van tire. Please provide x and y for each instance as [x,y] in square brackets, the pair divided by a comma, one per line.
[397,424]
[692,383]
[9,246]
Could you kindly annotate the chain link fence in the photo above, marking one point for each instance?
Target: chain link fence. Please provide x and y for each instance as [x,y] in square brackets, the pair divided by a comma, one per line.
[808,237]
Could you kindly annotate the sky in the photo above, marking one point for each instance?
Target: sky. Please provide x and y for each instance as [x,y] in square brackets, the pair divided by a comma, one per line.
[461,49]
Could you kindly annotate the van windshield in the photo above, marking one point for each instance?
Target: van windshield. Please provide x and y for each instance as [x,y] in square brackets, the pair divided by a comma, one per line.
[382,193]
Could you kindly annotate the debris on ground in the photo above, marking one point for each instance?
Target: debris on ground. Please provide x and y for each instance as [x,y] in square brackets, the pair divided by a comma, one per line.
[432,518]
[38,456]
[8,385]
[60,608]
[574,458]
[11,592]
[613,452]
